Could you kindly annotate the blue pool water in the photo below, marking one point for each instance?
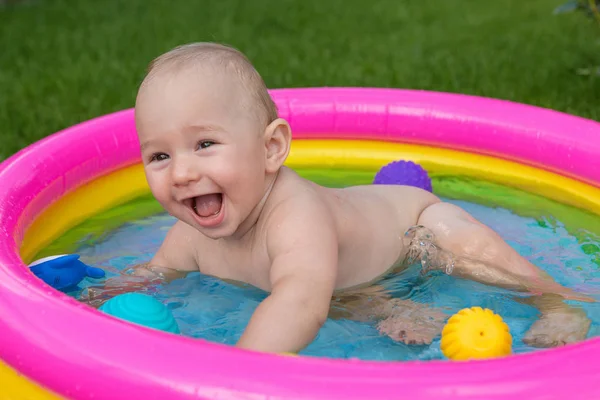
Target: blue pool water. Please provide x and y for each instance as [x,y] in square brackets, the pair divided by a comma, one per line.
[208,308]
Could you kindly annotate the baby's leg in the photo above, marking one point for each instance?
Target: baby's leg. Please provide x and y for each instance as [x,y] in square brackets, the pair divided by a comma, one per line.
[478,253]
[474,251]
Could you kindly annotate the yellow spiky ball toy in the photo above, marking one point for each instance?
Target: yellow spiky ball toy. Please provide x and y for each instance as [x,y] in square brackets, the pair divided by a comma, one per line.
[475,333]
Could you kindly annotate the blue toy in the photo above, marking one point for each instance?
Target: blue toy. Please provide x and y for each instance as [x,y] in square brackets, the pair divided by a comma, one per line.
[403,173]
[141,309]
[64,272]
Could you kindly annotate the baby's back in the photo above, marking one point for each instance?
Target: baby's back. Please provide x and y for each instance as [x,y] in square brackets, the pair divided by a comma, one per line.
[371,222]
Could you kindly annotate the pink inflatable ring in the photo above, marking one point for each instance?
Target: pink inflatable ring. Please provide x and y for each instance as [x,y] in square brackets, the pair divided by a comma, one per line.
[76,352]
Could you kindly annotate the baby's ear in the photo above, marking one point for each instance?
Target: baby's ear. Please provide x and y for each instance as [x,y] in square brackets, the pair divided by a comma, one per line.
[278,139]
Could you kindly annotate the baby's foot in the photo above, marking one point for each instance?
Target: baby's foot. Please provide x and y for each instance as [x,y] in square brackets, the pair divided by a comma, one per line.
[412,323]
[558,328]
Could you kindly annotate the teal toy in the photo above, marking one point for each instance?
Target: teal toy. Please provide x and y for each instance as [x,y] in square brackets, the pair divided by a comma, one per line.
[141,309]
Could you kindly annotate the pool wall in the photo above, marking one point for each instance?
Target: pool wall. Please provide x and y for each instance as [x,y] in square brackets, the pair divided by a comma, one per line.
[51,345]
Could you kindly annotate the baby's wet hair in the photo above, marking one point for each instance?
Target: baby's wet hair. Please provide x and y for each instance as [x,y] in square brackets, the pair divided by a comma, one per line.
[224,58]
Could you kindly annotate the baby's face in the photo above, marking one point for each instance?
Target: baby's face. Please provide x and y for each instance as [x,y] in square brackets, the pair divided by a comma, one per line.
[202,148]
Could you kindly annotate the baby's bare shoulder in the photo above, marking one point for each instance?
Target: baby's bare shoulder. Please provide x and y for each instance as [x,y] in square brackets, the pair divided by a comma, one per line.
[292,189]
[295,197]
[298,218]
[178,250]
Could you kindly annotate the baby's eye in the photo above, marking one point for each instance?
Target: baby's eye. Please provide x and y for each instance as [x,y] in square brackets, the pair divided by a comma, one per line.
[158,157]
[203,144]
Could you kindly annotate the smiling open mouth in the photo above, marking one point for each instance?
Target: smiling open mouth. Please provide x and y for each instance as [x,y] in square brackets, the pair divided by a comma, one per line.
[208,205]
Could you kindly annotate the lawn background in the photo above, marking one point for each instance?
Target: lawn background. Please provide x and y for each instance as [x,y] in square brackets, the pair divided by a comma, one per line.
[62,62]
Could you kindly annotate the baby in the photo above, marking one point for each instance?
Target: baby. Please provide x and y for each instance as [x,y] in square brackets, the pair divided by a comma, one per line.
[213,149]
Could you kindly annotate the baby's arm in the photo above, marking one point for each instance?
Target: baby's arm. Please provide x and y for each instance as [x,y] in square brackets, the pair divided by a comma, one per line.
[303,247]
[175,257]
[173,260]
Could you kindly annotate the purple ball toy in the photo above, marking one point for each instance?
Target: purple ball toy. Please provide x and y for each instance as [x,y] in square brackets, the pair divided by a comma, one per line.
[403,173]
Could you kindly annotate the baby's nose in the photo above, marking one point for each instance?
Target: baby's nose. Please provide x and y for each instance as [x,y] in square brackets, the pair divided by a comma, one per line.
[185,171]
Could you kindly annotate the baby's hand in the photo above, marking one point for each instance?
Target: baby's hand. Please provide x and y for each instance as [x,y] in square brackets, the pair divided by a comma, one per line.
[137,279]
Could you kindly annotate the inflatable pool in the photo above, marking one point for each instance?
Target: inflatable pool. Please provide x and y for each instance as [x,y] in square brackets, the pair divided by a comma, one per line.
[53,347]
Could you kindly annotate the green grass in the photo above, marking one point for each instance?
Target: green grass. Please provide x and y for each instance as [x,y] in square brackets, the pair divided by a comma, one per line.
[62,62]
